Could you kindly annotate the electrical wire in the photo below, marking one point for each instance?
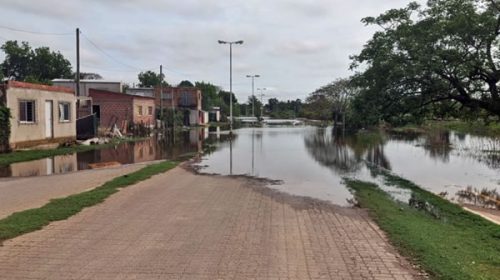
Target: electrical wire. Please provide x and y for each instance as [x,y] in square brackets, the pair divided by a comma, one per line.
[108,55]
[35,32]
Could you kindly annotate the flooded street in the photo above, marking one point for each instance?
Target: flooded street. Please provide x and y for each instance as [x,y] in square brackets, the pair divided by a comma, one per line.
[312,162]
[154,148]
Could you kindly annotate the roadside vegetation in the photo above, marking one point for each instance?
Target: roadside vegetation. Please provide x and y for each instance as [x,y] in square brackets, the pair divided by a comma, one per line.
[470,127]
[28,155]
[62,208]
[445,240]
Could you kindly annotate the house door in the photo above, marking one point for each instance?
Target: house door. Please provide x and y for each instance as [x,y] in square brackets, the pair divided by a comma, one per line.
[49,122]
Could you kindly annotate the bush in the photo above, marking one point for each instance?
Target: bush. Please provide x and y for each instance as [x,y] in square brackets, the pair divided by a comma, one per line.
[4,129]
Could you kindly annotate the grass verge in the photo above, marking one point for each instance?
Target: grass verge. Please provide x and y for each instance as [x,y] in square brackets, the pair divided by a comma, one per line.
[473,127]
[20,156]
[62,208]
[447,241]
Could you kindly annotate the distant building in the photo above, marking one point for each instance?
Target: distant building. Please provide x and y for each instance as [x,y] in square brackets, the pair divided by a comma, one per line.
[86,85]
[84,105]
[41,114]
[122,109]
[147,92]
[214,114]
[185,99]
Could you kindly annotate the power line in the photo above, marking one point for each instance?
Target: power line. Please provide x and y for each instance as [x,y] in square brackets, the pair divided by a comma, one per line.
[108,55]
[35,32]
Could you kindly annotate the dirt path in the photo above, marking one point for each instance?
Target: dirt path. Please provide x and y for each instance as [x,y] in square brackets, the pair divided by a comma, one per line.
[17,194]
[184,226]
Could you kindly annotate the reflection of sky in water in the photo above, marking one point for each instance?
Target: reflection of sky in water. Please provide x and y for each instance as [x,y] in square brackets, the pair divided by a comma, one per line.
[279,153]
[312,162]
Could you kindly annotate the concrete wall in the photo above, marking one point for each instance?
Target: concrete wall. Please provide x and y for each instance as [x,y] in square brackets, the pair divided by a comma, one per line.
[30,134]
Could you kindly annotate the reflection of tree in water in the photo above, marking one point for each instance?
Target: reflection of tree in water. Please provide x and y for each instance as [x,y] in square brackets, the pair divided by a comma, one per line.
[438,145]
[346,154]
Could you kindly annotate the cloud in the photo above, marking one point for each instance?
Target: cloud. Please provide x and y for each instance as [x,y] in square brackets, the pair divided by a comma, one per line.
[295,45]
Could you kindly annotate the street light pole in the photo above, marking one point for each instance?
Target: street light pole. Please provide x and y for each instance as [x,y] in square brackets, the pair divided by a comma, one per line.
[231,81]
[253,94]
[261,102]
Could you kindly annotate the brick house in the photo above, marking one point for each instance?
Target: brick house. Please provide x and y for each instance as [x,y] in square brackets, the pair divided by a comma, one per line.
[185,99]
[122,109]
[40,114]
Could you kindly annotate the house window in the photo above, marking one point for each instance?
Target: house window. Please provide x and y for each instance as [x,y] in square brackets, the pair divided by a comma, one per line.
[27,111]
[64,111]
[150,110]
[139,109]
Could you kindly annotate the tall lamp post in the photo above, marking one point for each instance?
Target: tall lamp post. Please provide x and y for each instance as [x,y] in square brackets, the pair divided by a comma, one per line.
[231,80]
[253,94]
[261,102]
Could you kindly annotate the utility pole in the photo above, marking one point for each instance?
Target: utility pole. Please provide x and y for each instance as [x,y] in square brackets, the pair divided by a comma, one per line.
[161,94]
[77,78]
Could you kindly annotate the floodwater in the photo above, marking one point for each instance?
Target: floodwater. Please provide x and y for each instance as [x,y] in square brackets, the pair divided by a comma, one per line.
[311,161]
[155,148]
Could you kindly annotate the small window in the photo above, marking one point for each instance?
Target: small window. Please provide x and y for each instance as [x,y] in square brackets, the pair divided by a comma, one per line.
[139,110]
[64,112]
[27,111]
[150,110]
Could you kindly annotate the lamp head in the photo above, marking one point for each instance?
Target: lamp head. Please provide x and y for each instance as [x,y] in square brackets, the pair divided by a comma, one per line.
[239,42]
[222,42]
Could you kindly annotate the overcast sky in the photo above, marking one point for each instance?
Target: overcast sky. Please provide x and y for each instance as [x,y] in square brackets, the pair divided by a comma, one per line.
[295,45]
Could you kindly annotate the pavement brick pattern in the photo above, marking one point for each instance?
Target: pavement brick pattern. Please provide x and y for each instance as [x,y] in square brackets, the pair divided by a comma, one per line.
[17,194]
[179,225]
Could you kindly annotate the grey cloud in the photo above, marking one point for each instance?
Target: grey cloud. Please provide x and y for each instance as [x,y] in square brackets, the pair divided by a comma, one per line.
[296,45]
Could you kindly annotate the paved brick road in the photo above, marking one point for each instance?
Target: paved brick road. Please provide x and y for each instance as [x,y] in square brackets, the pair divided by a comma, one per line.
[184,226]
[17,194]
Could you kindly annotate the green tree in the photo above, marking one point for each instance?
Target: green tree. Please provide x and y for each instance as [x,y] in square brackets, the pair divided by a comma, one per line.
[447,51]
[209,95]
[283,109]
[185,83]
[39,65]
[151,79]
[17,60]
[257,106]
[224,97]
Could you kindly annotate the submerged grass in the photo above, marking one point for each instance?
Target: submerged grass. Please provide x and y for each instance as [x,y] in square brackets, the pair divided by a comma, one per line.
[472,127]
[454,244]
[62,208]
[28,155]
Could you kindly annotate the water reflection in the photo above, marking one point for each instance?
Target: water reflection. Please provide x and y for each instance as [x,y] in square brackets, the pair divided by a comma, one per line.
[155,148]
[347,153]
[312,161]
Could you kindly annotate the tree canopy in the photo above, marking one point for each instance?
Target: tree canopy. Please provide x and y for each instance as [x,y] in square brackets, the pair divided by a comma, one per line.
[23,63]
[209,94]
[330,101]
[447,52]
[186,83]
[151,79]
